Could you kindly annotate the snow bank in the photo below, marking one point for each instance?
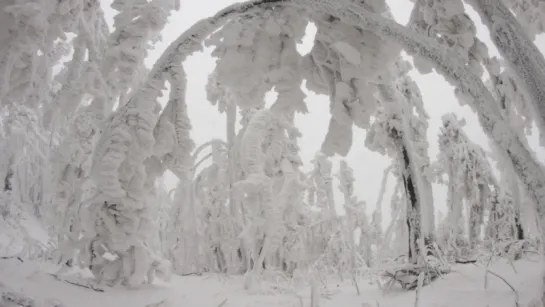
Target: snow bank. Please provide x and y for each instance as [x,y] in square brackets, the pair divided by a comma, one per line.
[463,287]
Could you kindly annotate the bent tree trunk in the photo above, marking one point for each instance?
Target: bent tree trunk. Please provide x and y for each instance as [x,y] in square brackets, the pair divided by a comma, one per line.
[516,47]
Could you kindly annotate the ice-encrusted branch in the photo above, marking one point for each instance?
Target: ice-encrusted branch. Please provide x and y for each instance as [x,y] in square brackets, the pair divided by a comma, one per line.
[518,49]
[530,14]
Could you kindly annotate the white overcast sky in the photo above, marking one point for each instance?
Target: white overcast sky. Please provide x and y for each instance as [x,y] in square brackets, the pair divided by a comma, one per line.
[368,166]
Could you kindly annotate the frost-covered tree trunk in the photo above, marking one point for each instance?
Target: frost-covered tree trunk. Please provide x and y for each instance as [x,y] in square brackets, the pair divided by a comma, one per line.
[510,182]
[408,169]
[233,169]
[7,179]
[454,214]
[398,228]
[476,213]
[501,225]
[184,249]
[518,200]
[400,131]
[376,220]
[258,187]
[323,181]
[413,217]
[231,117]
[346,185]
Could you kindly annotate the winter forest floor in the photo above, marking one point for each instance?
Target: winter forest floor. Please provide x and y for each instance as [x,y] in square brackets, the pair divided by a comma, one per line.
[464,286]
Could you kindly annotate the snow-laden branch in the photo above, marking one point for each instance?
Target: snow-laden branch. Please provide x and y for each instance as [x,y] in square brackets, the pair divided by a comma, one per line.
[530,14]
[517,48]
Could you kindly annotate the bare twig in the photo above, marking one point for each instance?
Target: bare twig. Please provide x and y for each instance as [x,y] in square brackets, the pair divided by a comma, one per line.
[17,299]
[512,265]
[510,286]
[90,287]
[503,279]
[459,261]
[192,273]
[12,257]
[324,283]
[427,264]
[356,284]
[222,303]
[158,304]
[84,286]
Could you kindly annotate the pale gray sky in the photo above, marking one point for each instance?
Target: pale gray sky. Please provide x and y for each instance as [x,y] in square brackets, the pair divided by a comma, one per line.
[368,166]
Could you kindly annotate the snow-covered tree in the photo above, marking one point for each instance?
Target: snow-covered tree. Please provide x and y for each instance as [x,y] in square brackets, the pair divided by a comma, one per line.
[470,179]
[501,222]
[117,218]
[355,218]
[400,133]
[323,181]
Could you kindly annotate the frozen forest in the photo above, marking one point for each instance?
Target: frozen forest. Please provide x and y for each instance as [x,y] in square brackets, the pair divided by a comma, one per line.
[272,153]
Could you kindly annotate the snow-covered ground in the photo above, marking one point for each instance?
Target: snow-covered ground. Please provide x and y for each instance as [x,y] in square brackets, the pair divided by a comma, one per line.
[463,287]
